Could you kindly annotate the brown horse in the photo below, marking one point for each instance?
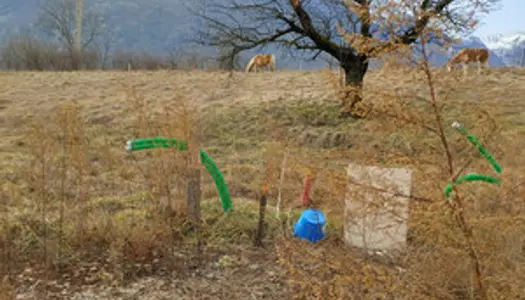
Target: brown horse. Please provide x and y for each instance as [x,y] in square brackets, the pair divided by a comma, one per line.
[468,56]
[262,60]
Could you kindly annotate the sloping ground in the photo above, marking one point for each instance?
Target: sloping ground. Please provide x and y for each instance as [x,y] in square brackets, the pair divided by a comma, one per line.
[103,95]
[241,114]
[243,111]
[27,94]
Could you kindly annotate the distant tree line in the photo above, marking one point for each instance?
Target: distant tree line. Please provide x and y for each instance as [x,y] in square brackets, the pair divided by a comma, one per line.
[28,52]
[50,45]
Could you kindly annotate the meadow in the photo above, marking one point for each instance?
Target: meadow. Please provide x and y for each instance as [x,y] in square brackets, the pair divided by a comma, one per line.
[82,218]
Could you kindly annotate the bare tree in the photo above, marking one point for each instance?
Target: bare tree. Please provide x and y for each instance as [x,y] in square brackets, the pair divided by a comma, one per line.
[315,27]
[26,52]
[57,19]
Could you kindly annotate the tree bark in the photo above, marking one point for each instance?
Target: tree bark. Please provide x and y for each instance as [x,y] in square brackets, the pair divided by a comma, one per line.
[355,69]
[194,172]
[194,204]
[194,195]
[259,235]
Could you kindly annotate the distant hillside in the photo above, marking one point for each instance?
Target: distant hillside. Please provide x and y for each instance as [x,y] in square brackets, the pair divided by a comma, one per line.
[157,26]
[152,25]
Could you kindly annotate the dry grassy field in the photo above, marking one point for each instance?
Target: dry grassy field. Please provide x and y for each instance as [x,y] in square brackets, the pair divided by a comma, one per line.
[83,219]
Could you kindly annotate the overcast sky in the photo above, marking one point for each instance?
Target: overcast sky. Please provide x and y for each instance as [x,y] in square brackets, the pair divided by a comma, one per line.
[509,18]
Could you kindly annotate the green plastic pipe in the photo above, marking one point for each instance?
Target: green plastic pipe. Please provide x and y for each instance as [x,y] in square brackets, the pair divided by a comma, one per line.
[476,143]
[473,176]
[220,183]
[156,142]
[209,164]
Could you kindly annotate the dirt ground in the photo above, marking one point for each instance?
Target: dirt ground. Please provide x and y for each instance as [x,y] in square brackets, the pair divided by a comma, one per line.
[244,273]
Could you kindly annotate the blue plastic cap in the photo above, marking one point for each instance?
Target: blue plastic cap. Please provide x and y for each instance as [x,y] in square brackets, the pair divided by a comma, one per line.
[314,216]
[311,225]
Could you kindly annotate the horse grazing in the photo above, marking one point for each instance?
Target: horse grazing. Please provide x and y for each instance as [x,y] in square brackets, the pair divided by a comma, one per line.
[262,60]
[470,55]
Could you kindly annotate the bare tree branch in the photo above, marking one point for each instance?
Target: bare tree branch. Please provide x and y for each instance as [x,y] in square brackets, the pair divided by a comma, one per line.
[245,25]
[351,31]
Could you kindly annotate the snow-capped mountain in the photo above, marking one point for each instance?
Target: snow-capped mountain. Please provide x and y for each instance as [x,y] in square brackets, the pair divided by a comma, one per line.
[510,47]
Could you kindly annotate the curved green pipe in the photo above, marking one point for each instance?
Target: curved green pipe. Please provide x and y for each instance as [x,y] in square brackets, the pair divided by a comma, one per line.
[209,164]
[473,176]
[476,143]
[220,183]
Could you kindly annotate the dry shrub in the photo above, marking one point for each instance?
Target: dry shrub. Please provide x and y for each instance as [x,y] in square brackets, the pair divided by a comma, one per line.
[168,170]
[468,247]
[451,248]
[83,202]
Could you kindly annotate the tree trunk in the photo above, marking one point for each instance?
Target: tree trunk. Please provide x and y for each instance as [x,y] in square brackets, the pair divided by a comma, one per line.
[194,183]
[194,194]
[355,70]
[194,204]
[259,235]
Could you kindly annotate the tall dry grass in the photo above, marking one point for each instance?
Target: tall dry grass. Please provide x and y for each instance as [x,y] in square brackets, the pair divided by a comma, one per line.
[84,202]
[87,212]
